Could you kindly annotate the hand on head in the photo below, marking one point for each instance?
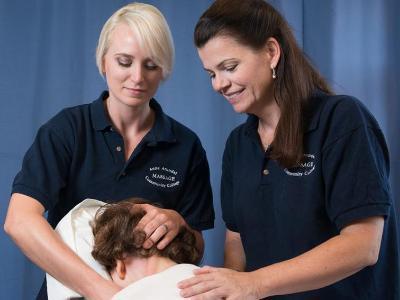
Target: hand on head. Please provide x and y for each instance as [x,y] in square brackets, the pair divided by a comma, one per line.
[160,225]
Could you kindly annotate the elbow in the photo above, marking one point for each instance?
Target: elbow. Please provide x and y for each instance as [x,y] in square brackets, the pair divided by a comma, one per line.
[372,257]
[22,215]
[10,225]
[6,228]
[15,224]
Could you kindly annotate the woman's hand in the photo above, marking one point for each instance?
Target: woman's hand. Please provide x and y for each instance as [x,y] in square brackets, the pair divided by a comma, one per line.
[219,283]
[160,225]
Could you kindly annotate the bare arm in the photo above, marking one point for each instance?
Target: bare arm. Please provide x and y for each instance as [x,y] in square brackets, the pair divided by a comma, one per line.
[33,234]
[234,258]
[356,247]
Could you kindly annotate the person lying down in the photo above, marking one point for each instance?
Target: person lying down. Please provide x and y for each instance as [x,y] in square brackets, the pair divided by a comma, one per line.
[106,238]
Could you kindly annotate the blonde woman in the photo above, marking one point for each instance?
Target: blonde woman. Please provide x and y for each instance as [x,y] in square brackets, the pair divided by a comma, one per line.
[121,145]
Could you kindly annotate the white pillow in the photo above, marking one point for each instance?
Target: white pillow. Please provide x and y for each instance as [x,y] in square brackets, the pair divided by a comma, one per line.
[76,232]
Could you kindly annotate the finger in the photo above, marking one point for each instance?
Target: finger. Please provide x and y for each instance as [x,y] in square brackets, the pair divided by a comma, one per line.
[193,281]
[152,226]
[203,287]
[204,270]
[156,236]
[151,213]
[168,237]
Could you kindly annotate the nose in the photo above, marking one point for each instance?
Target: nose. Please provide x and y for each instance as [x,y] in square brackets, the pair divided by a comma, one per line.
[137,73]
[220,83]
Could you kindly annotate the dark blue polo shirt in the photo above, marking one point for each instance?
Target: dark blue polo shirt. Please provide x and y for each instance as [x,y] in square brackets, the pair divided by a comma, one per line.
[78,155]
[281,213]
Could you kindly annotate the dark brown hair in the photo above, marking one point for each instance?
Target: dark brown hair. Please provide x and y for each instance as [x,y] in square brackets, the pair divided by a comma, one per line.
[252,23]
[116,237]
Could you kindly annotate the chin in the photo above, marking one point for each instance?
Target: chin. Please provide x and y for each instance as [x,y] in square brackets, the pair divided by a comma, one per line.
[239,109]
[129,101]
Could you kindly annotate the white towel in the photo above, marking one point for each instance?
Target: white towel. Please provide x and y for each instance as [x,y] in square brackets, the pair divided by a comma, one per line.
[76,232]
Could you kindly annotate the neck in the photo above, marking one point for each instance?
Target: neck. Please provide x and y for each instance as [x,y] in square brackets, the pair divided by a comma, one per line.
[138,268]
[268,121]
[156,264]
[269,116]
[129,120]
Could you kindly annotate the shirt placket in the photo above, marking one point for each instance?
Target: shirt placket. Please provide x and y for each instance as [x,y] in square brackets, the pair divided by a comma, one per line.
[115,144]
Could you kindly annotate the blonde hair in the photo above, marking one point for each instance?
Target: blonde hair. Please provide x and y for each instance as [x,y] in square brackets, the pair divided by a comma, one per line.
[152,30]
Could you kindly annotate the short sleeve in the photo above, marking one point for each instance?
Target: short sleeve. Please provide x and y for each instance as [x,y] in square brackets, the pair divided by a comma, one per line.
[196,204]
[45,166]
[356,171]
[227,189]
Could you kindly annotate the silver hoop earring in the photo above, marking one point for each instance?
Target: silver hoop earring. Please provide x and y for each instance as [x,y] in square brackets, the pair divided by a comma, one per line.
[273,73]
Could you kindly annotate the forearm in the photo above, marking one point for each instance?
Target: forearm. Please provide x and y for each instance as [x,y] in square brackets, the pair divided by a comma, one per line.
[331,261]
[40,243]
[234,256]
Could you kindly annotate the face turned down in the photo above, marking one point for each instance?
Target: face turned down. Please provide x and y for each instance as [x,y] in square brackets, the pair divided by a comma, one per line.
[132,76]
[241,74]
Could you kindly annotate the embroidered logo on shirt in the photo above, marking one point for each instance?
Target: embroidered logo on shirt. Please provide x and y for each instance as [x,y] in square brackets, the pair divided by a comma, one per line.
[162,177]
[306,167]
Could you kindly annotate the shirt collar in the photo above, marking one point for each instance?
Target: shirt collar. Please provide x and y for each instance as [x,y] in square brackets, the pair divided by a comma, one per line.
[161,131]
[312,112]
[251,127]
[98,112]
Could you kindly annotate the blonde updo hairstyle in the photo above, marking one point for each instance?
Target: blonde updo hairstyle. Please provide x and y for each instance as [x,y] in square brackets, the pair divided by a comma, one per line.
[152,32]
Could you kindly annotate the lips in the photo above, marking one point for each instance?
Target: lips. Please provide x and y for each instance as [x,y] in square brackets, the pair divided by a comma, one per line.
[135,91]
[233,96]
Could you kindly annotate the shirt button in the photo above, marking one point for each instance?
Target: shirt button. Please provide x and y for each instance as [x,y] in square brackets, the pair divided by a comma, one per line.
[118,148]
[265,172]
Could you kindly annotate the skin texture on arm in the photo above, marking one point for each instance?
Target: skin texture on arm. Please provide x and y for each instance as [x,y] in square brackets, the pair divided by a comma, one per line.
[162,226]
[357,246]
[32,233]
[234,258]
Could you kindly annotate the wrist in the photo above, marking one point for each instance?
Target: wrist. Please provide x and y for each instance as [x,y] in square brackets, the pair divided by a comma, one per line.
[259,286]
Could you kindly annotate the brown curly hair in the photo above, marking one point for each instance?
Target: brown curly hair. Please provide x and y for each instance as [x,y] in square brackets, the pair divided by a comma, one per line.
[116,236]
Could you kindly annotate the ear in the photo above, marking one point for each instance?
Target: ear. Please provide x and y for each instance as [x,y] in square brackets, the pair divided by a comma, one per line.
[120,269]
[103,68]
[274,51]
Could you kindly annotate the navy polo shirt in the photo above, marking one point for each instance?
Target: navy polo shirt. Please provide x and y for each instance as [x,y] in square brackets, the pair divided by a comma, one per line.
[281,213]
[78,155]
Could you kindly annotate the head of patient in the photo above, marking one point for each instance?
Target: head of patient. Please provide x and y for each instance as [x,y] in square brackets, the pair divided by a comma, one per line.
[118,244]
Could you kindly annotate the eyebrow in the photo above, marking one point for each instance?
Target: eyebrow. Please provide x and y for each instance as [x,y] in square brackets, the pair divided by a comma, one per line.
[132,57]
[220,65]
[123,54]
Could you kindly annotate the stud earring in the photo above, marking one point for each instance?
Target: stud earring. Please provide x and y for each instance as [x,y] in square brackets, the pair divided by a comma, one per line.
[273,72]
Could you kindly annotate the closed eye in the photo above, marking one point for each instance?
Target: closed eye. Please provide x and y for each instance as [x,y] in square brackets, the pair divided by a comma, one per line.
[151,66]
[211,74]
[123,62]
[231,68]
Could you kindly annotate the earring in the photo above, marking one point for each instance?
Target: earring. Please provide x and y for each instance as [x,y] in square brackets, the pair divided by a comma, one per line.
[273,72]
